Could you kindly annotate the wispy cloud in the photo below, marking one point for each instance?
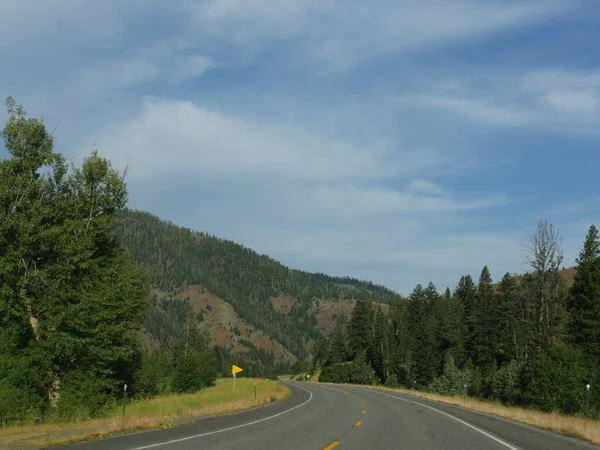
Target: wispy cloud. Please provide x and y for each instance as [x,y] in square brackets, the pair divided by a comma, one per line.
[355,201]
[550,100]
[195,139]
[571,95]
[343,32]
[503,115]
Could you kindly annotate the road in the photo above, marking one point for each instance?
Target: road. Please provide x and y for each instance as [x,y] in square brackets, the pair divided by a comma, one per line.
[323,417]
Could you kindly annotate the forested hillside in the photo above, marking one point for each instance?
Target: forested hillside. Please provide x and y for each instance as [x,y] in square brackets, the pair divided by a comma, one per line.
[533,340]
[282,303]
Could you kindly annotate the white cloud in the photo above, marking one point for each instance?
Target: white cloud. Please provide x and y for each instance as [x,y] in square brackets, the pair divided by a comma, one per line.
[575,96]
[109,76]
[476,110]
[547,80]
[550,100]
[583,102]
[464,252]
[351,201]
[341,32]
[182,136]
[420,186]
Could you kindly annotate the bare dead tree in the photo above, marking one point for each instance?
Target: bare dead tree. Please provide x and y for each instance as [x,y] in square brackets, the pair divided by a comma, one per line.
[545,257]
[545,249]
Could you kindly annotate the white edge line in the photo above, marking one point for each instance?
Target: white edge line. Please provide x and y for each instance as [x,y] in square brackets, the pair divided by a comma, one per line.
[187,438]
[479,430]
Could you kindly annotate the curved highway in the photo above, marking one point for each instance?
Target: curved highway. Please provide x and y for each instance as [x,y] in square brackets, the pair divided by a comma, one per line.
[324,417]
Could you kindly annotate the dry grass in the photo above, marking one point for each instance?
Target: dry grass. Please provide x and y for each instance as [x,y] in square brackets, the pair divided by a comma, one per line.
[159,412]
[569,425]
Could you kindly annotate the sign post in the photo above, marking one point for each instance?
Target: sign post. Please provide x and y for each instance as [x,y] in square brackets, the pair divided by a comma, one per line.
[587,405]
[235,369]
[124,398]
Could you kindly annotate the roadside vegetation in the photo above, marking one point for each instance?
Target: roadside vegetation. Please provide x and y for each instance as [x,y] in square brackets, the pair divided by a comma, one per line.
[158,412]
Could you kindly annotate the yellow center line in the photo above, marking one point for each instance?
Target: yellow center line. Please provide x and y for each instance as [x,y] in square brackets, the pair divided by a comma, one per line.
[364,411]
[358,424]
[332,445]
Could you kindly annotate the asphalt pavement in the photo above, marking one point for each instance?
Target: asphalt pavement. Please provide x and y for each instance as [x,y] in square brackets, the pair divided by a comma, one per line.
[324,417]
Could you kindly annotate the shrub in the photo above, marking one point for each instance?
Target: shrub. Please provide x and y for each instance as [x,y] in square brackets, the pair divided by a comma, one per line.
[453,381]
[392,381]
[506,384]
[335,373]
[360,371]
[84,395]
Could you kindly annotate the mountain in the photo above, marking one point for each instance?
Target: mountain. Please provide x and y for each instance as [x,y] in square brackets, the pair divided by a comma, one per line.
[248,303]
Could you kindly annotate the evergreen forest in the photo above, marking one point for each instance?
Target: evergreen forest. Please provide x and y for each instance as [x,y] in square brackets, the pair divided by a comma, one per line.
[529,340]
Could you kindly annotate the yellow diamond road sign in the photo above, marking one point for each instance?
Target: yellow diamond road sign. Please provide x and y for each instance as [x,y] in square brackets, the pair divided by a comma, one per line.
[235,369]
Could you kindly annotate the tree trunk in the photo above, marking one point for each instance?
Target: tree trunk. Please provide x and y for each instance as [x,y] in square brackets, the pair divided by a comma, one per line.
[54,390]
[54,386]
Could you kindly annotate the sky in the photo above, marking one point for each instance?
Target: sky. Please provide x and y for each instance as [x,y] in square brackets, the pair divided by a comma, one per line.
[401,141]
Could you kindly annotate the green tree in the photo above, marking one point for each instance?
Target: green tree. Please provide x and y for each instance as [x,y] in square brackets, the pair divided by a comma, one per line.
[338,349]
[378,348]
[557,381]
[485,320]
[320,352]
[359,328]
[399,341]
[425,355]
[510,336]
[70,299]
[188,373]
[584,297]
[465,293]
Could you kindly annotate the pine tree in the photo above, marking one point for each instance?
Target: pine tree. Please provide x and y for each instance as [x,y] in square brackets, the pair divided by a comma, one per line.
[360,327]
[448,294]
[431,295]
[425,358]
[320,352]
[449,312]
[378,348]
[400,340]
[485,320]
[584,298]
[510,337]
[465,292]
[338,349]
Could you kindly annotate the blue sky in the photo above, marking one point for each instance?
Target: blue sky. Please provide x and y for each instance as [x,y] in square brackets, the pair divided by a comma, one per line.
[396,141]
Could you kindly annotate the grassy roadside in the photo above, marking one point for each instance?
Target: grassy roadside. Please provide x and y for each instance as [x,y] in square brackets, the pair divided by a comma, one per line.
[159,412]
[569,425]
